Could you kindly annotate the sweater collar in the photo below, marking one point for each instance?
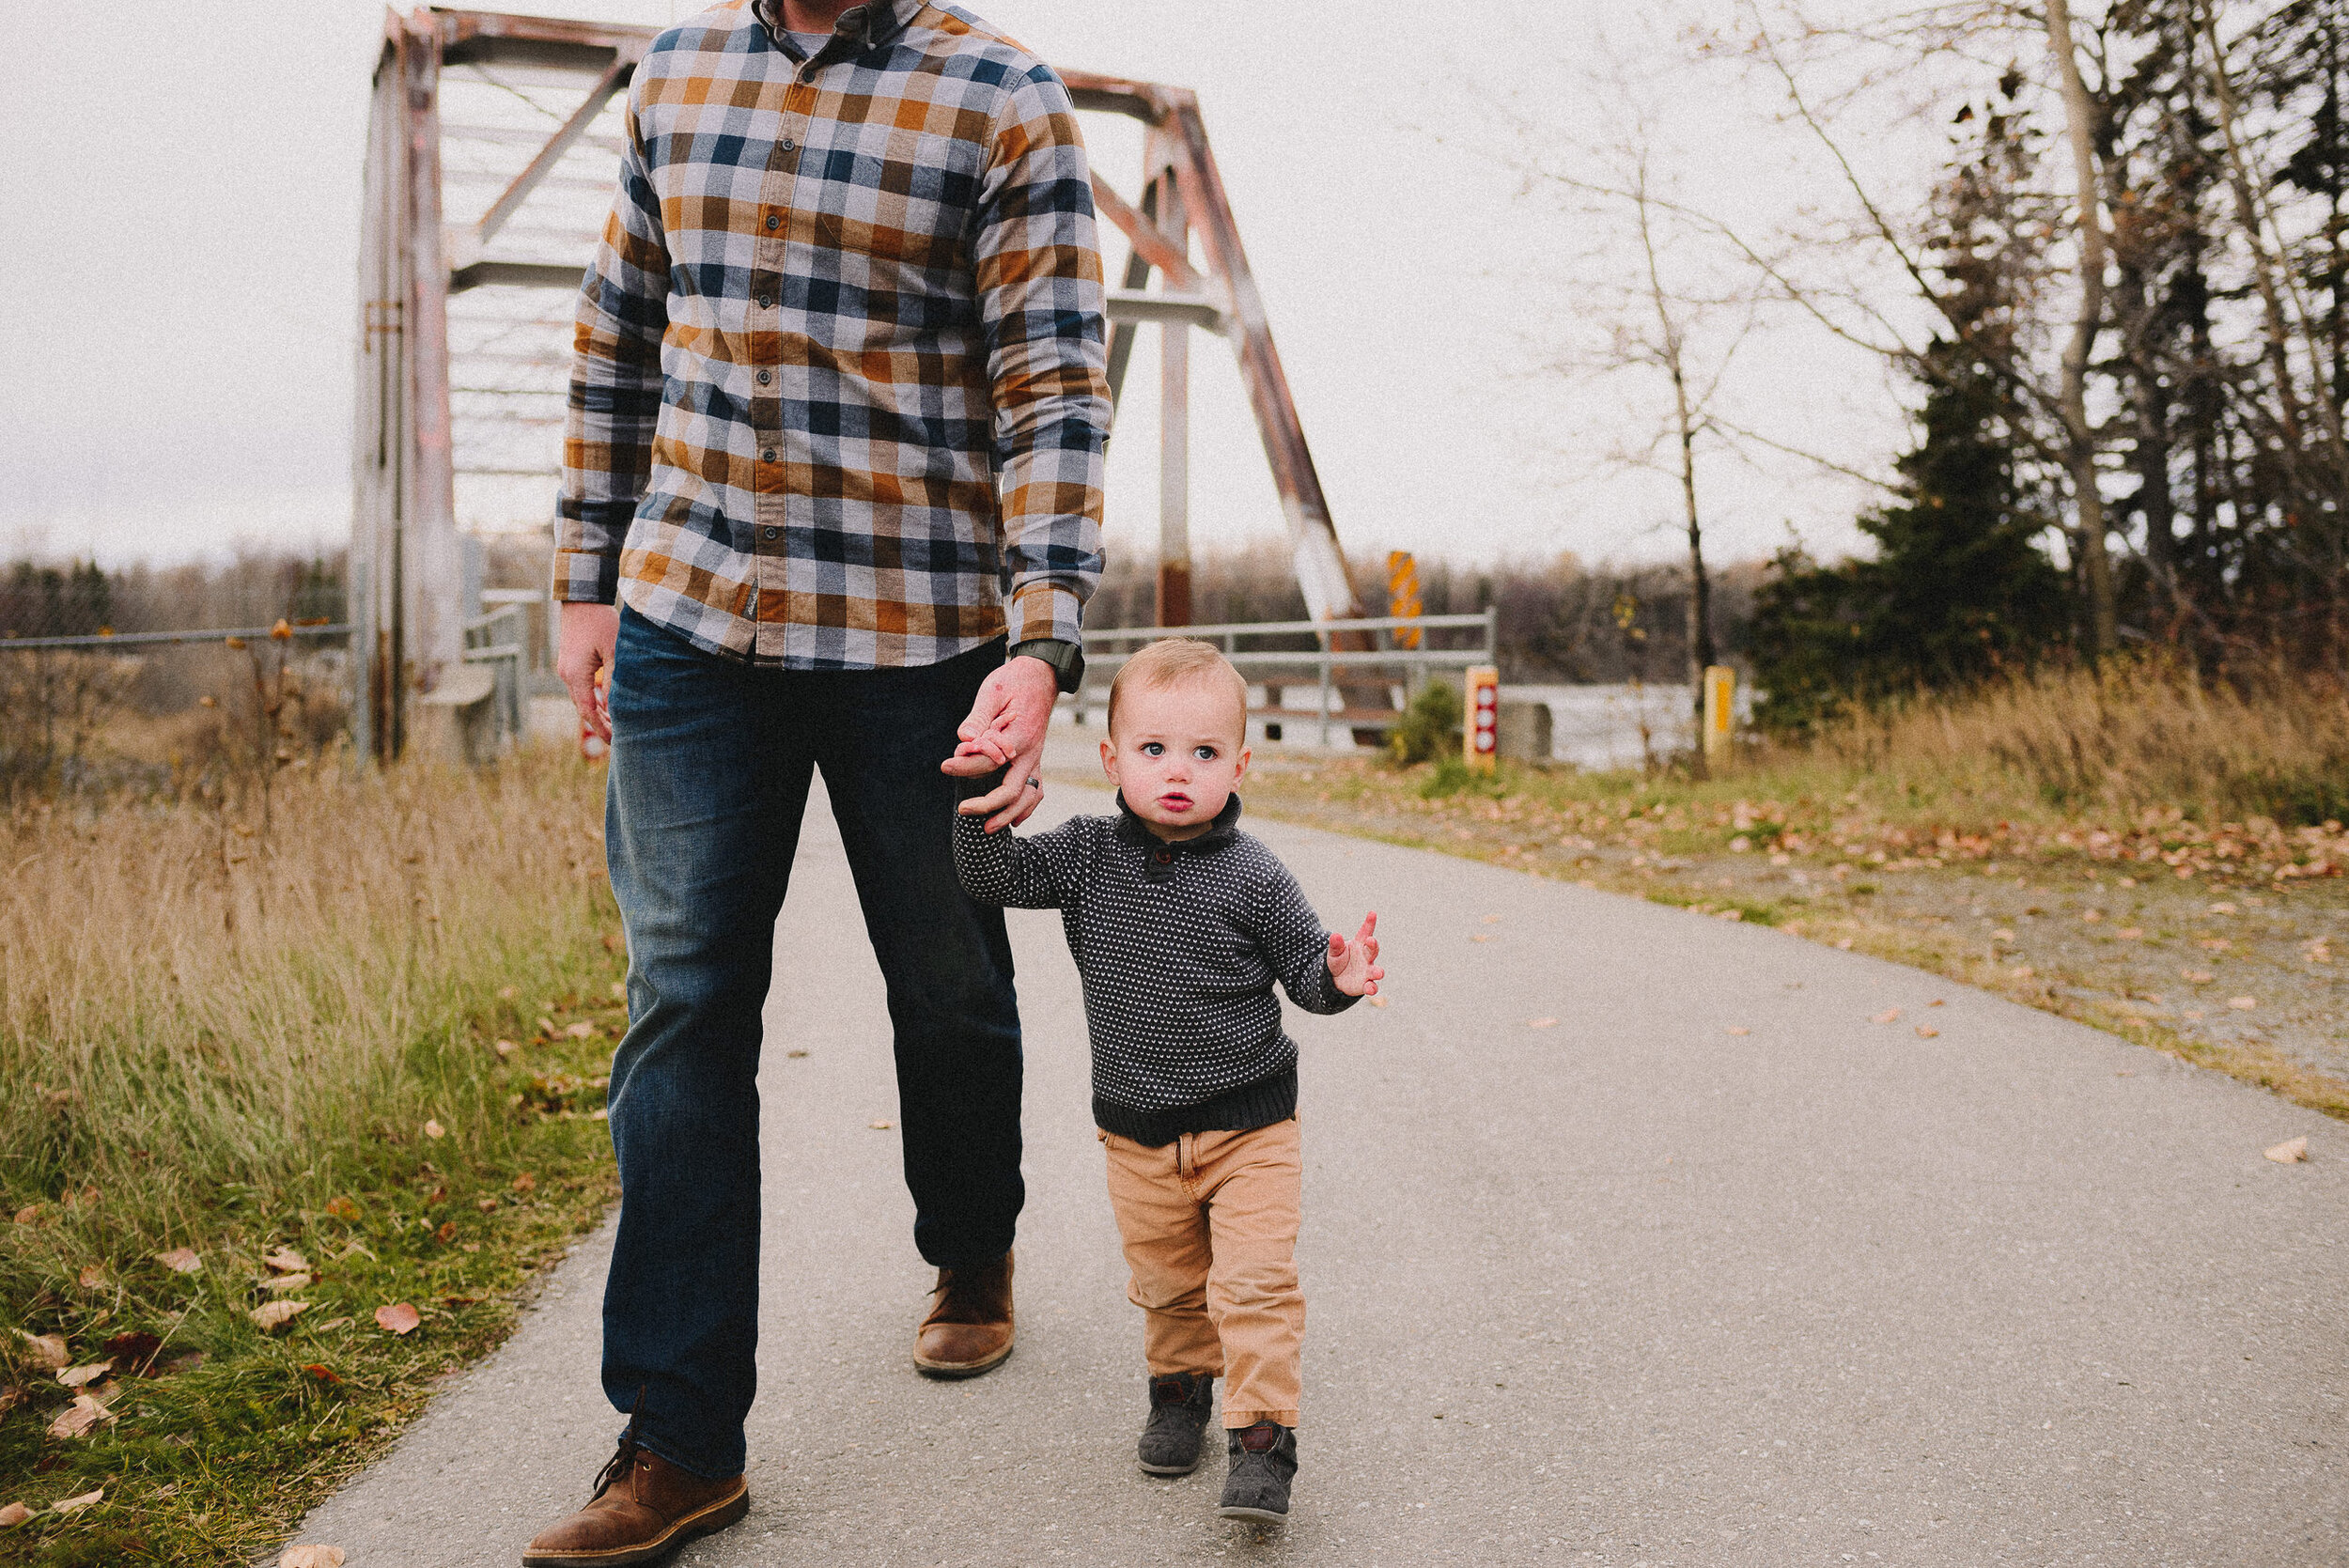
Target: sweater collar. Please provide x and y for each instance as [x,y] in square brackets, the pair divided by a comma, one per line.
[1221,831]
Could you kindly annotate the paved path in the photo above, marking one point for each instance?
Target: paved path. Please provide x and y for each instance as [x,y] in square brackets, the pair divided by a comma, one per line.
[1626,1289]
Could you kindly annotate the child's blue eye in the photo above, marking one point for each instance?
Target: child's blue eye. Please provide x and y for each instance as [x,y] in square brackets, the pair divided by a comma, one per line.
[1205,753]
[1152,749]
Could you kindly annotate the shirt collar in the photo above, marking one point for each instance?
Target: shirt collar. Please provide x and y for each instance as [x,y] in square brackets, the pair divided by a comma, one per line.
[873,23]
[1220,832]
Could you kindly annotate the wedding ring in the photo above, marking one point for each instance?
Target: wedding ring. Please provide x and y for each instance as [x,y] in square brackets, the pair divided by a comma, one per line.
[1034,782]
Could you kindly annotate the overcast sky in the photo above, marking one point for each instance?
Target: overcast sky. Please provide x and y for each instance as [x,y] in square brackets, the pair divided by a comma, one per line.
[177,294]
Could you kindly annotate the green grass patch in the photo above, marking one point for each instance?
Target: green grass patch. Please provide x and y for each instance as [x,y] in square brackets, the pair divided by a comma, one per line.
[350,1060]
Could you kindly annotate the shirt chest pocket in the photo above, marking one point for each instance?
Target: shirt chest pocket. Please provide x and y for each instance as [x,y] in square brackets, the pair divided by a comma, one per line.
[904,199]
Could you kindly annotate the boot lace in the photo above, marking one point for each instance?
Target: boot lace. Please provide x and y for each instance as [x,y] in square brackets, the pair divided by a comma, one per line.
[624,1460]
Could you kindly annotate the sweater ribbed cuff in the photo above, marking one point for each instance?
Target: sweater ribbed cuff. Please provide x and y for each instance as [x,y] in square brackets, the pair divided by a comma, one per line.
[1251,1105]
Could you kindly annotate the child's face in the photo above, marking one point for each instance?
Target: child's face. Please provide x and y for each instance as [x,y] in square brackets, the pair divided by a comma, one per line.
[1176,754]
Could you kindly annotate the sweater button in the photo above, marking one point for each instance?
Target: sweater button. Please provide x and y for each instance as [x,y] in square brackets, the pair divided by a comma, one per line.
[1164,856]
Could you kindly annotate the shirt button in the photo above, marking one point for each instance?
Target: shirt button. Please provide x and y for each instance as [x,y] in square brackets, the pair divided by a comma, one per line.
[788,145]
[774,221]
[763,377]
[1164,856]
[771,532]
[766,302]
[768,456]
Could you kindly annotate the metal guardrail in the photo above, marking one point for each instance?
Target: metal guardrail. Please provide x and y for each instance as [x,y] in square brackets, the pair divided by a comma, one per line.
[1329,668]
[501,639]
[158,639]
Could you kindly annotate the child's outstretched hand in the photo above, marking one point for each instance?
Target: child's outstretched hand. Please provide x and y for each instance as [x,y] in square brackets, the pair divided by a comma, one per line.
[1353,965]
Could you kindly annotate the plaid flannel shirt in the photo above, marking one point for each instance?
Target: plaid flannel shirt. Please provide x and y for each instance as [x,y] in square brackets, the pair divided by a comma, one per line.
[839,393]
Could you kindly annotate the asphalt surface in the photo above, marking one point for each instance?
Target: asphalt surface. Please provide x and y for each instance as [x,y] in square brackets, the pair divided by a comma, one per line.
[1623,1287]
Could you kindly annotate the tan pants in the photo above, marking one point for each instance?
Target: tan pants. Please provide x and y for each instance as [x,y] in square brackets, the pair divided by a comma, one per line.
[1209,1223]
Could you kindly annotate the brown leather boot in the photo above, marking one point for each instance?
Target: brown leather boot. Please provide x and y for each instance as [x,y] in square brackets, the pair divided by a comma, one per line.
[969,1330]
[644,1507]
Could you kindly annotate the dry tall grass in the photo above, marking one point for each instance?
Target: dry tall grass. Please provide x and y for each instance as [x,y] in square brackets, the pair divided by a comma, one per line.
[2135,735]
[190,1001]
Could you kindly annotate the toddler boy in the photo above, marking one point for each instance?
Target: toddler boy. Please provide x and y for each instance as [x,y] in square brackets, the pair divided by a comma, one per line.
[1181,924]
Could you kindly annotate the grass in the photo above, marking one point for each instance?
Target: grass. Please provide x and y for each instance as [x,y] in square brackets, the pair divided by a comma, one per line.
[2116,820]
[369,1032]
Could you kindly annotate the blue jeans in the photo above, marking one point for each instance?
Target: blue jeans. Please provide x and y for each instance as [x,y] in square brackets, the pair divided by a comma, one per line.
[711,765]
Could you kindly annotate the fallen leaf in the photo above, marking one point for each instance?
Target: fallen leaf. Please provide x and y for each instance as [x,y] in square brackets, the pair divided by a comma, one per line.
[525,1183]
[76,1421]
[342,1208]
[434,1129]
[878,1126]
[329,1326]
[1374,999]
[446,1234]
[2195,977]
[2215,944]
[1937,1002]
[1480,938]
[619,991]
[1492,920]
[284,1283]
[134,1350]
[795,1055]
[92,1277]
[2288,1152]
[2130,933]
[14,1514]
[73,1377]
[1739,1028]
[322,1372]
[2091,916]
[580,1030]
[1926,1031]
[507,993]
[1541,1023]
[487,1205]
[180,1260]
[507,1047]
[74,1505]
[397,1318]
[286,1261]
[2022,971]
[311,1557]
[1890,1014]
[1731,914]
[2002,936]
[546,1027]
[2243,1004]
[47,1350]
[1845,944]
[28,1214]
[273,1315]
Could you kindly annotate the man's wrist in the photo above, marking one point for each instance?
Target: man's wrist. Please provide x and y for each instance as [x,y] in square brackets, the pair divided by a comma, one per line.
[1068,660]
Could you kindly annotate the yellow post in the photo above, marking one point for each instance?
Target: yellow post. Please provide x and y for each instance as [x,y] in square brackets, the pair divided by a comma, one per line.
[1482,741]
[1403,595]
[1720,712]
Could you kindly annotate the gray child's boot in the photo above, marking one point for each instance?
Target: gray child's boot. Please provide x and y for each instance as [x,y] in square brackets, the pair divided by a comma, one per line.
[1264,1462]
[1180,1403]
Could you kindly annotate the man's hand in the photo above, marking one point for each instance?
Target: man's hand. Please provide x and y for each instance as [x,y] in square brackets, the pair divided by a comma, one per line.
[1005,730]
[1354,966]
[585,638]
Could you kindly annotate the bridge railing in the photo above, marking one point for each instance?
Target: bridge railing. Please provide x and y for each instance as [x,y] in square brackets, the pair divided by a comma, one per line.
[1330,670]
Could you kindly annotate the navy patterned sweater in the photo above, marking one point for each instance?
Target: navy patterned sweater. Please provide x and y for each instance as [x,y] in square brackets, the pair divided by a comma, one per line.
[1179,946]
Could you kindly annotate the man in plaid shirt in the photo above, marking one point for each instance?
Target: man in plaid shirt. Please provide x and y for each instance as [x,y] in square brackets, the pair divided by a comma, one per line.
[831,499]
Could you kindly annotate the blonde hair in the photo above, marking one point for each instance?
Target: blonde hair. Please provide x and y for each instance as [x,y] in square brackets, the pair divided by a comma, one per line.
[1176,662]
